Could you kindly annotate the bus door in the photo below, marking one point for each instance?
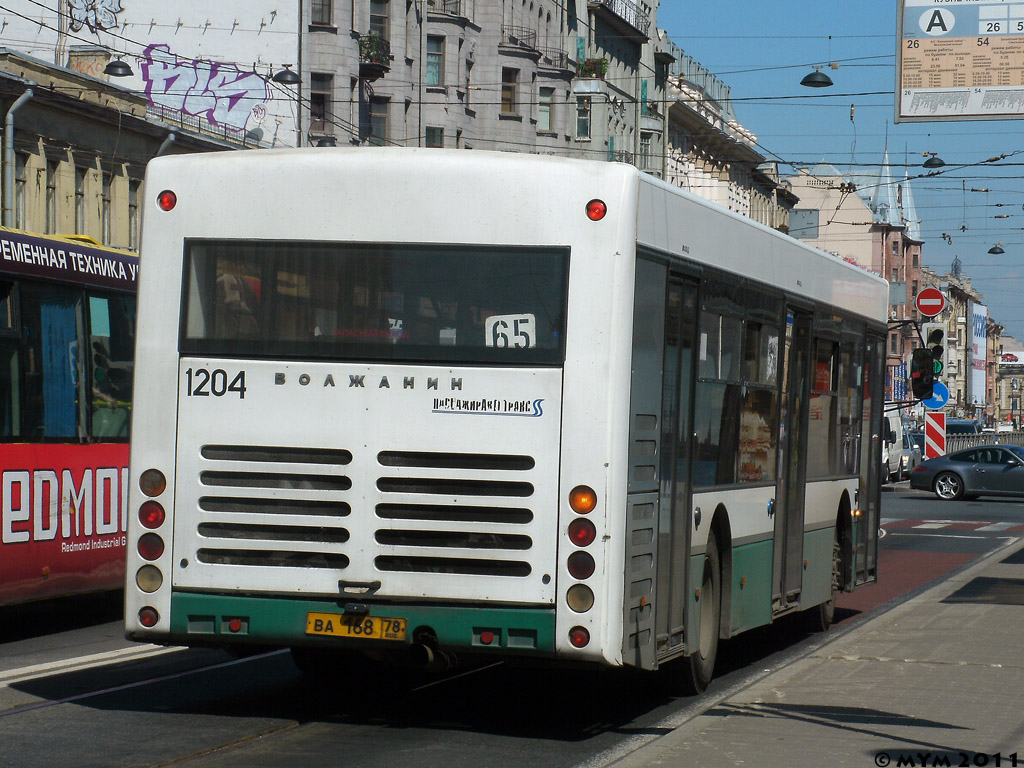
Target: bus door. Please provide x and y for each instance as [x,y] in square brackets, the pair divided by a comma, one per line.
[787,569]
[676,487]
[658,501]
[869,494]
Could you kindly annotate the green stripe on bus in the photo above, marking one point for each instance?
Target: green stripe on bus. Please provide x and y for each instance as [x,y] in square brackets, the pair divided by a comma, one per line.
[198,618]
[751,586]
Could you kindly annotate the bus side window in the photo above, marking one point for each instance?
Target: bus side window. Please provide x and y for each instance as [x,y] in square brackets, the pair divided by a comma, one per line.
[111,364]
[54,397]
[10,390]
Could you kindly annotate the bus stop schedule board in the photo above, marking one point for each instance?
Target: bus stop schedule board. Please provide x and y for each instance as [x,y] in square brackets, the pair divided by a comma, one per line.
[960,60]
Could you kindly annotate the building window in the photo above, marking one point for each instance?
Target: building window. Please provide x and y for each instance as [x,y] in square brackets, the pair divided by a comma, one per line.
[51,196]
[108,181]
[469,80]
[915,259]
[320,108]
[913,289]
[435,60]
[321,12]
[20,189]
[895,247]
[894,344]
[645,150]
[544,107]
[379,18]
[133,214]
[509,79]
[378,122]
[80,173]
[895,274]
[583,117]
[435,137]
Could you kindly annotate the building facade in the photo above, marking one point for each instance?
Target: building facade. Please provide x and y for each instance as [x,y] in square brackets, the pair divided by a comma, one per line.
[80,148]
[869,219]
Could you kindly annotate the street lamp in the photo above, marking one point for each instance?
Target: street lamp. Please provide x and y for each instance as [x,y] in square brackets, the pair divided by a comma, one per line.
[286,76]
[816,79]
[933,160]
[118,68]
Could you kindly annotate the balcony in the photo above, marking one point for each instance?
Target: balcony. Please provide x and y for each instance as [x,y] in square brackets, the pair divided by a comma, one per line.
[558,59]
[374,57]
[448,7]
[624,15]
[594,68]
[523,37]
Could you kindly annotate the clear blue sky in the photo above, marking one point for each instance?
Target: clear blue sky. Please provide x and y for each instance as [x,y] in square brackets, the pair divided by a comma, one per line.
[762,50]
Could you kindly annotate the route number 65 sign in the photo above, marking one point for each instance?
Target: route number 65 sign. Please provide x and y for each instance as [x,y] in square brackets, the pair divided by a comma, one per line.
[515,331]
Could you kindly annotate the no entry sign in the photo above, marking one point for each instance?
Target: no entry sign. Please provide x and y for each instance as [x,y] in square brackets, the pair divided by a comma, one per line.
[930,302]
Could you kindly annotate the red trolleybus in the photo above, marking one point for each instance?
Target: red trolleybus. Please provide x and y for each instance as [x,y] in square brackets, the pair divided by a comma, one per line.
[67,337]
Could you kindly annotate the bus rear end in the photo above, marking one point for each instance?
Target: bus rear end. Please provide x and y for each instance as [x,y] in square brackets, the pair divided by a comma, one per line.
[350,422]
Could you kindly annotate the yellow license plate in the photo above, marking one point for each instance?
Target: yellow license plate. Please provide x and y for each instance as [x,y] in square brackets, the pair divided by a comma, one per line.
[362,627]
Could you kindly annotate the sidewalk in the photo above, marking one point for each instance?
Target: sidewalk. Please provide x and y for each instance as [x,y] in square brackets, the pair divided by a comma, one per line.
[938,680]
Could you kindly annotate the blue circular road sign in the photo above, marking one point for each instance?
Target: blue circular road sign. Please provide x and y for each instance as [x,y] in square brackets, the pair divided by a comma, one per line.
[939,398]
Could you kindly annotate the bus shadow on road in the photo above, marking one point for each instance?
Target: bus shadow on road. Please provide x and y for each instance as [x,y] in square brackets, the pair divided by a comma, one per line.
[59,614]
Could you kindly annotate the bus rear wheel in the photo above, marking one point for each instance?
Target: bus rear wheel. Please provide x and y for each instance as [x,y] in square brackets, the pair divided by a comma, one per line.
[702,662]
[821,616]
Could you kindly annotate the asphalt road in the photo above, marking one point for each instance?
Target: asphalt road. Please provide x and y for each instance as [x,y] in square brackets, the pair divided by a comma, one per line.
[73,692]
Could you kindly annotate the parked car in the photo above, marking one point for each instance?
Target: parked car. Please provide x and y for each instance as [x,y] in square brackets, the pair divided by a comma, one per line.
[912,456]
[918,438]
[962,427]
[892,452]
[987,470]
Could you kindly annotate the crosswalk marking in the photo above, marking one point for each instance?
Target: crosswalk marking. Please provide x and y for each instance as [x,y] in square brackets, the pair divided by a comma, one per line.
[962,525]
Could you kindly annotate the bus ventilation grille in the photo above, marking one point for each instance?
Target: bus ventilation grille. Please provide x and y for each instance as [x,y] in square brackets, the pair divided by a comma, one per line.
[274,507]
[454,513]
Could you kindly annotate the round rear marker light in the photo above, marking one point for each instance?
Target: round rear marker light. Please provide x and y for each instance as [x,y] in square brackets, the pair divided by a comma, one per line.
[148,617]
[582,499]
[579,598]
[152,482]
[149,579]
[596,210]
[166,200]
[235,625]
[151,515]
[581,532]
[579,637]
[581,565]
[151,546]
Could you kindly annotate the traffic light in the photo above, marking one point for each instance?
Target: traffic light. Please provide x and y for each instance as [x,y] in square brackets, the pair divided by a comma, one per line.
[934,335]
[922,373]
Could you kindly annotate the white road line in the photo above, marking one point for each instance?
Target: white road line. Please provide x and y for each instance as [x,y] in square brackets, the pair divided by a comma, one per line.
[77,663]
[998,527]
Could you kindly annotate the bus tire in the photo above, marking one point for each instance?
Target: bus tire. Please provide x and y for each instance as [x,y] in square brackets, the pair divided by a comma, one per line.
[821,616]
[702,661]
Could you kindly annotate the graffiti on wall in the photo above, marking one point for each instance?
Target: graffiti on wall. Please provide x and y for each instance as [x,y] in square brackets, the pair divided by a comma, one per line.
[94,14]
[222,94]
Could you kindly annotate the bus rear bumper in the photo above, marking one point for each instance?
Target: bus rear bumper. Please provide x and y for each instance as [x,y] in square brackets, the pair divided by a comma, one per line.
[224,620]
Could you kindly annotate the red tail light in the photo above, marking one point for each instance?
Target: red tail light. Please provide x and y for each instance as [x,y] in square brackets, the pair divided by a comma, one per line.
[581,565]
[579,637]
[151,515]
[151,546]
[582,532]
[148,617]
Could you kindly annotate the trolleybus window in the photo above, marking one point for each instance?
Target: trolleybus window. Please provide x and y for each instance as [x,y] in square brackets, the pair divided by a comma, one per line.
[380,301]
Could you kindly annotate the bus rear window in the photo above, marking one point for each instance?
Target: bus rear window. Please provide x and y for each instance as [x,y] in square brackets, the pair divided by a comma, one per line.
[375,301]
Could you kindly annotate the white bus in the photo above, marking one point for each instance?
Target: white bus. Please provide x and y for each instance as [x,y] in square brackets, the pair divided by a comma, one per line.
[421,403]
